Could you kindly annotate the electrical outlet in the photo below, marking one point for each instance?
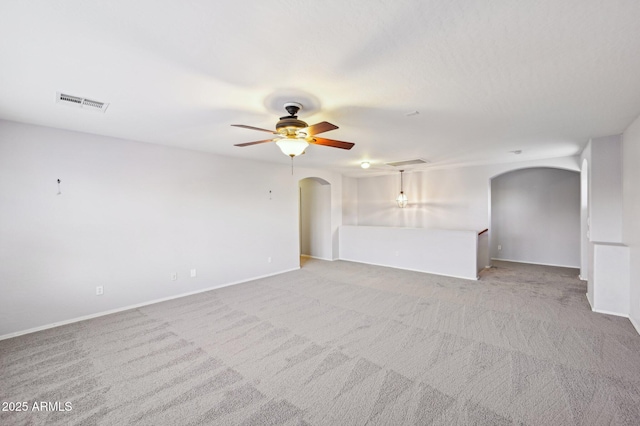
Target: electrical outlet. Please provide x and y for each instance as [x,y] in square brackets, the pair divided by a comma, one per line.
[193,273]
[499,247]
[174,276]
[99,290]
[397,253]
[269,259]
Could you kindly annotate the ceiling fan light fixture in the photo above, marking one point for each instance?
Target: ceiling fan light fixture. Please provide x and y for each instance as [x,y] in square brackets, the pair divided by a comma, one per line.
[292,147]
[293,136]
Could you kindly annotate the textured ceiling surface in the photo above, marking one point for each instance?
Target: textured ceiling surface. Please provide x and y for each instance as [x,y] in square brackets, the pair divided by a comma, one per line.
[486,77]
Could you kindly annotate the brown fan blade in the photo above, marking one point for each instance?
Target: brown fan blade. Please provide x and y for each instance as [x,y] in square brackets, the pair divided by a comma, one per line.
[253,143]
[321,128]
[332,143]
[254,128]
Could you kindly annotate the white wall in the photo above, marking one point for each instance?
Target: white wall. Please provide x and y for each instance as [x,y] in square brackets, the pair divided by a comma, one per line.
[610,279]
[605,191]
[436,251]
[584,222]
[631,213]
[349,201]
[586,270]
[445,198]
[535,216]
[605,203]
[130,215]
[315,218]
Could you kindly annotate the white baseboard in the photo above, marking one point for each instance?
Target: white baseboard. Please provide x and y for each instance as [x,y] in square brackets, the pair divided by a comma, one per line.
[635,324]
[409,269]
[536,263]
[135,306]
[615,314]
[590,302]
[316,257]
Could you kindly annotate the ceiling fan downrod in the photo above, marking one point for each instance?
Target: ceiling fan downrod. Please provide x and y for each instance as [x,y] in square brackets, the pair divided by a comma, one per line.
[292,108]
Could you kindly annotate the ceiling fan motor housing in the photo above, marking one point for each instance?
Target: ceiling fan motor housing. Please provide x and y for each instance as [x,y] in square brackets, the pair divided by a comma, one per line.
[290,125]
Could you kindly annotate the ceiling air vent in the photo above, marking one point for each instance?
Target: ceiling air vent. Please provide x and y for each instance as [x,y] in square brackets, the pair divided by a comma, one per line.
[406,163]
[79,102]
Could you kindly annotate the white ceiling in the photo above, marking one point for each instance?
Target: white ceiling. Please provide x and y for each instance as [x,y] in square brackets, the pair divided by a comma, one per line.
[487,77]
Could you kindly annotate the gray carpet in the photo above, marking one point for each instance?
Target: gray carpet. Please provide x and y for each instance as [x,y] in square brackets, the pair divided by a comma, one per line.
[340,343]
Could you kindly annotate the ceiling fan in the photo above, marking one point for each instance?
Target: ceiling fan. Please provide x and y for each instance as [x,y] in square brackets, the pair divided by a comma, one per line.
[293,136]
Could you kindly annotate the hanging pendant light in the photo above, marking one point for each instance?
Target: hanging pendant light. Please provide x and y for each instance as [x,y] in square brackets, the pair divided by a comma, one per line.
[402,198]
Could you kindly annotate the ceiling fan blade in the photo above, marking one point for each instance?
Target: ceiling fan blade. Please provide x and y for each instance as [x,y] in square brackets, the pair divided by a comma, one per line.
[254,128]
[332,143]
[253,143]
[321,128]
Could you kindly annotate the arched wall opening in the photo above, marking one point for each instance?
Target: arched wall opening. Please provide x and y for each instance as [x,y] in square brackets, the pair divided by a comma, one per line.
[315,218]
[535,216]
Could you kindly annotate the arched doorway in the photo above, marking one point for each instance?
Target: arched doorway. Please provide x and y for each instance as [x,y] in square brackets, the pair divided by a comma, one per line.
[315,218]
[535,217]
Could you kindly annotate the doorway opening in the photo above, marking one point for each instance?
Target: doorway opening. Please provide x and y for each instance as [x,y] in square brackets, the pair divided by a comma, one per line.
[315,219]
[535,217]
